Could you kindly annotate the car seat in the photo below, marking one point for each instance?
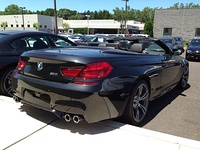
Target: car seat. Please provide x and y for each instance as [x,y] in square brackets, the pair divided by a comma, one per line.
[39,44]
[137,47]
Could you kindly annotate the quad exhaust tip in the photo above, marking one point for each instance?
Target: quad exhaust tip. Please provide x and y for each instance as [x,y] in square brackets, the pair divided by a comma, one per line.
[68,117]
[75,119]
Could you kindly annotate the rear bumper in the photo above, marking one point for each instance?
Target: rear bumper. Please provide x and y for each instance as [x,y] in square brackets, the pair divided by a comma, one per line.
[92,103]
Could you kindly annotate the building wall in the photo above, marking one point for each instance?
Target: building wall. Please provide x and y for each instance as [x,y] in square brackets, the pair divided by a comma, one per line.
[103,24]
[47,23]
[182,21]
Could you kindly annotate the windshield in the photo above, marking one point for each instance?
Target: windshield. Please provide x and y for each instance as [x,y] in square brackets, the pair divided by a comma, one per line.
[166,40]
[195,42]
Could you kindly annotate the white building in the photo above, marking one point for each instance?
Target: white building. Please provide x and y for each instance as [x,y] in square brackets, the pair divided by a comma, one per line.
[15,22]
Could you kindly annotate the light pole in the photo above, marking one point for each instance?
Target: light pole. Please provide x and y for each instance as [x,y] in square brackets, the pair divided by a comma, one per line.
[88,17]
[55,20]
[52,24]
[22,8]
[125,24]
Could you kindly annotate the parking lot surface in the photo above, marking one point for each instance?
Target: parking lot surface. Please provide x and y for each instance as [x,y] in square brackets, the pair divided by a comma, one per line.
[178,112]
[25,127]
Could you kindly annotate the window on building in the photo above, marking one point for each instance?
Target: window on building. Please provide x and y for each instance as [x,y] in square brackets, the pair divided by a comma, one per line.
[22,25]
[17,25]
[197,32]
[45,26]
[167,32]
[40,26]
[28,25]
[11,25]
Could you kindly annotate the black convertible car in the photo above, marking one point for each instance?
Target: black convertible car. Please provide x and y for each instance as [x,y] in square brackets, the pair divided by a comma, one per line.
[96,83]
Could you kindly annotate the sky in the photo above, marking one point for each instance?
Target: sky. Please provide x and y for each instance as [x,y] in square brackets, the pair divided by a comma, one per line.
[92,5]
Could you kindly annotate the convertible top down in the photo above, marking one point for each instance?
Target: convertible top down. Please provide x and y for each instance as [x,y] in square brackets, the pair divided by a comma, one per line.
[98,83]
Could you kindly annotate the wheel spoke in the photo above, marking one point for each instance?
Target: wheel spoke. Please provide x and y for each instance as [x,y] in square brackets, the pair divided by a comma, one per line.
[9,89]
[144,96]
[143,109]
[137,116]
[8,83]
[140,102]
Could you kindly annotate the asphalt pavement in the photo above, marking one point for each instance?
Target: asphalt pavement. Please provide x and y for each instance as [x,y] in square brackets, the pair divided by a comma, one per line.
[25,127]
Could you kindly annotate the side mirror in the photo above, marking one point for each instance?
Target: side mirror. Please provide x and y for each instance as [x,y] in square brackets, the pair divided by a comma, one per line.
[177,52]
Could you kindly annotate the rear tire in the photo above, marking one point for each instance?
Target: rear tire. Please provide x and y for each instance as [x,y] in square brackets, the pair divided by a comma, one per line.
[184,79]
[138,103]
[6,82]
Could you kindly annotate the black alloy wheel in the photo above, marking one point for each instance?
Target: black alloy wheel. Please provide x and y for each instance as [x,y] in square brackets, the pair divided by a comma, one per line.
[6,82]
[138,103]
[184,79]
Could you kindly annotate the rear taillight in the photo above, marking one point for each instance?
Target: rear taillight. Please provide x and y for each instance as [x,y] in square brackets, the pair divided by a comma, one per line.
[71,71]
[95,70]
[21,64]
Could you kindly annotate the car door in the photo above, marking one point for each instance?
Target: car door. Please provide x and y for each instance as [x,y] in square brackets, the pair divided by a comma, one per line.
[169,64]
[170,71]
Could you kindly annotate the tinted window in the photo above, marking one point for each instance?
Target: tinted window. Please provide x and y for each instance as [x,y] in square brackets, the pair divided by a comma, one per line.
[38,42]
[20,44]
[154,48]
[195,42]
[60,42]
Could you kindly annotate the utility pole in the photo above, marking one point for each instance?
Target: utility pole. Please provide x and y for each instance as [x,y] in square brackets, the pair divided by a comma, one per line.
[22,8]
[125,21]
[88,30]
[55,20]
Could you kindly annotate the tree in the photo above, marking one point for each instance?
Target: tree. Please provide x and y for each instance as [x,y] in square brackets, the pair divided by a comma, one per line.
[148,28]
[12,9]
[49,12]
[65,26]
[120,17]
[76,17]
[146,14]
[66,13]
[4,25]
[187,5]
[100,15]
[36,25]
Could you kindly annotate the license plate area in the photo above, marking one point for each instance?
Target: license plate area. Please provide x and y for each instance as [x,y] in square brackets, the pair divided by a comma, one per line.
[37,98]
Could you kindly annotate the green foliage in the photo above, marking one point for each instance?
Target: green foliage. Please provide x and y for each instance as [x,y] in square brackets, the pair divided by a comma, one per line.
[148,28]
[36,25]
[100,15]
[49,12]
[65,26]
[12,9]
[4,25]
[66,13]
[187,5]
[76,17]
[80,30]
[119,15]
